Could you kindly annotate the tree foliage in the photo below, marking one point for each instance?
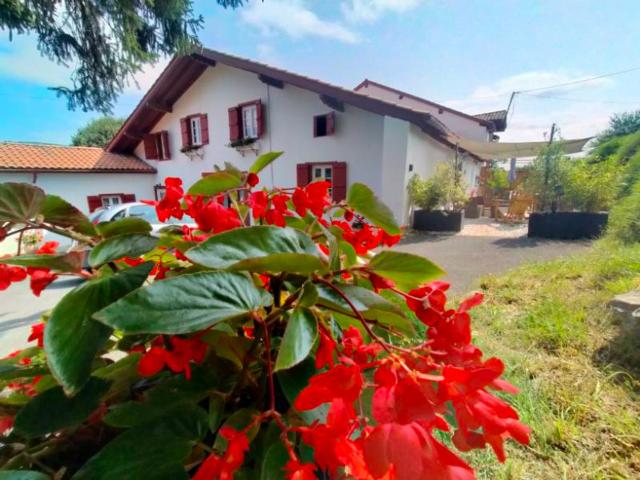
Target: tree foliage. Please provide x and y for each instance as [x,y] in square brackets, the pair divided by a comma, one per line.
[276,338]
[106,42]
[97,133]
[443,189]
[620,125]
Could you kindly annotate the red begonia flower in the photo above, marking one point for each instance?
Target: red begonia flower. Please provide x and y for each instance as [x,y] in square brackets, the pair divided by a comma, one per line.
[258,201]
[37,334]
[299,471]
[183,351]
[10,274]
[326,347]
[223,467]
[47,248]
[252,179]
[211,216]
[40,279]
[342,381]
[379,283]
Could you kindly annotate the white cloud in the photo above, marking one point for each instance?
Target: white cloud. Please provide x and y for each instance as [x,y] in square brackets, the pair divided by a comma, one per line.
[532,114]
[372,10]
[295,19]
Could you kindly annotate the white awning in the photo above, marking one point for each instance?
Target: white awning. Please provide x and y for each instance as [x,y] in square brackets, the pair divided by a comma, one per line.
[505,151]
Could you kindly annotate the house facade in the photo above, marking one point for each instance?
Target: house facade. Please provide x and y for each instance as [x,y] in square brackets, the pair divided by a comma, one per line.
[208,108]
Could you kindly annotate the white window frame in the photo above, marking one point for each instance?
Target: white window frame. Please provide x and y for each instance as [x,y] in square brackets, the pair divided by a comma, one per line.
[195,130]
[108,200]
[249,114]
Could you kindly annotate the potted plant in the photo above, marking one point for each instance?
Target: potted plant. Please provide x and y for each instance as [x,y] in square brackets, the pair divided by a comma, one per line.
[572,195]
[439,199]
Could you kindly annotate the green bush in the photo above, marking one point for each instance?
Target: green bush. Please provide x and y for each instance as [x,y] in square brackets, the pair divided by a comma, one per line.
[624,218]
[589,187]
[425,194]
[442,190]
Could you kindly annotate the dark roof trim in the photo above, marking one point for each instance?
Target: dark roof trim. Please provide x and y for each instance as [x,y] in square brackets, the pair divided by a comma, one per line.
[183,71]
[367,82]
[498,117]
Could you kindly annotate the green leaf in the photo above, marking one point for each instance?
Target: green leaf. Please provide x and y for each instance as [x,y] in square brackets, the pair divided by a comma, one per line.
[144,452]
[122,226]
[230,347]
[274,461]
[52,410]
[61,213]
[408,271]
[362,199]
[372,306]
[22,475]
[298,339]
[216,182]
[216,410]
[263,161]
[59,262]
[126,245]
[9,372]
[72,338]
[19,202]
[259,249]
[308,296]
[185,304]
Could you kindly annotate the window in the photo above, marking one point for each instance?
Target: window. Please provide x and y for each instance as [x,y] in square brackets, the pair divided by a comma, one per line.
[324,125]
[246,121]
[322,173]
[249,121]
[110,200]
[156,146]
[194,130]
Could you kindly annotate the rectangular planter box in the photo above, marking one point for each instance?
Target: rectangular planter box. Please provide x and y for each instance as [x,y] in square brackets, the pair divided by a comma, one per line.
[567,225]
[472,210]
[437,221]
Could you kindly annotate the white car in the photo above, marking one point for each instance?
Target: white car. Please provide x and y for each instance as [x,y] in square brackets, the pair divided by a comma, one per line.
[140,210]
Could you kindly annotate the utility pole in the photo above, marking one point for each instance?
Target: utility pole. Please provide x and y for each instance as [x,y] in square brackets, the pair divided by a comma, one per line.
[546,169]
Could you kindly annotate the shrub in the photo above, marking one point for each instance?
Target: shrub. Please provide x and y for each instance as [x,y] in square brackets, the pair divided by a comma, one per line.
[426,194]
[260,351]
[624,218]
[589,187]
[443,189]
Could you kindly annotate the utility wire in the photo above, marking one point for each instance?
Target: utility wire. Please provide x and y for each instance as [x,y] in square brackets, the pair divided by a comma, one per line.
[580,100]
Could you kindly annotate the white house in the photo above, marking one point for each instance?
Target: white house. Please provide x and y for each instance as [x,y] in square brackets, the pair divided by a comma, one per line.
[209,108]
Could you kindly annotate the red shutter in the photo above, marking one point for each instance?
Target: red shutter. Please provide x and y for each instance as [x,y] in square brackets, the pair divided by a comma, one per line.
[234,124]
[150,150]
[315,126]
[303,174]
[331,123]
[260,117]
[127,197]
[204,129]
[94,202]
[339,185]
[184,130]
[166,152]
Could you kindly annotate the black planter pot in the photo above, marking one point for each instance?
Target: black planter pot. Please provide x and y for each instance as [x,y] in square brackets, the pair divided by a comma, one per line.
[437,221]
[472,210]
[567,225]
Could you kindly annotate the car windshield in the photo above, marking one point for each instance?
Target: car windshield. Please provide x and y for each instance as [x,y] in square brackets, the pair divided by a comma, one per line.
[148,213]
[97,216]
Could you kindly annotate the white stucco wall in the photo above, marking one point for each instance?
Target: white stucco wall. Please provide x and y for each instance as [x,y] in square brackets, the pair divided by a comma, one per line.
[394,166]
[289,116]
[461,125]
[75,187]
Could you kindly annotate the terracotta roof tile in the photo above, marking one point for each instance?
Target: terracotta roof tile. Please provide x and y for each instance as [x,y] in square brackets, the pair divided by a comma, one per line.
[42,157]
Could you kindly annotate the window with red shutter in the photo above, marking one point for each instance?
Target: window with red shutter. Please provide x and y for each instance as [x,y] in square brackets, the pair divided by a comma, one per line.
[324,125]
[150,147]
[303,174]
[156,146]
[94,202]
[164,143]
[204,129]
[259,118]
[339,182]
[234,124]
[185,132]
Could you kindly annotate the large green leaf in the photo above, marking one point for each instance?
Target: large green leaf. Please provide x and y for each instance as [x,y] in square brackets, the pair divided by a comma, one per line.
[52,410]
[72,338]
[405,269]
[122,226]
[216,182]
[144,452]
[61,213]
[362,199]
[185,304]
[372,306]
[298,339]
[263,161]
[259,249]
[59,262]
[19,202]
[274,461]
[22,475]
[126,245]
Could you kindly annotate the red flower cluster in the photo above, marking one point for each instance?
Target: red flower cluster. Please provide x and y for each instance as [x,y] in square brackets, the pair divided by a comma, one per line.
[413,390]
[10,274]
[40,277]
[37,334]
[313,197]
[170,205]
[363,237]
[183,351]
[223,467]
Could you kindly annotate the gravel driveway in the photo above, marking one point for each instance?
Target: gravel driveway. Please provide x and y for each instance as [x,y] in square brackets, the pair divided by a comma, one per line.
[481,248]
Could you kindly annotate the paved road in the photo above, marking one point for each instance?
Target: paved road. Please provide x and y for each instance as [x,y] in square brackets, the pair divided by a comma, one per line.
[481,248]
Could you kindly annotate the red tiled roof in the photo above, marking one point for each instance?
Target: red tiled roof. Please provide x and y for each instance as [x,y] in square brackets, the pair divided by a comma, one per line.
[57,158]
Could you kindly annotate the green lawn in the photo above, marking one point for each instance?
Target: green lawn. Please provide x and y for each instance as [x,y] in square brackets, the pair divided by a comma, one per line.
[579,374]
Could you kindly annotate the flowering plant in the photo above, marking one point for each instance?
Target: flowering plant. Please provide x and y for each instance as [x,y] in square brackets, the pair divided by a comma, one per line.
[266,342]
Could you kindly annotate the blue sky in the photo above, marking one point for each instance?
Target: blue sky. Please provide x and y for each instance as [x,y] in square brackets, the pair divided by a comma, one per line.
[467,54]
